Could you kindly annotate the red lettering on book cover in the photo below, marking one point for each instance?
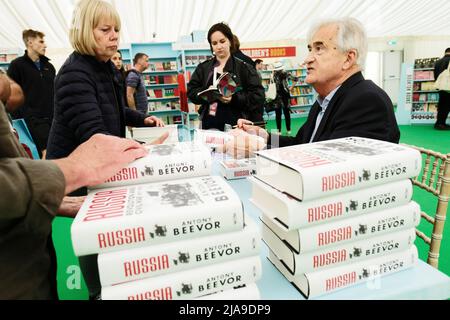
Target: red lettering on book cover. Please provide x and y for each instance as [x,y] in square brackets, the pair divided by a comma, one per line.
[325,211]
[335,235]
[124,174]
[338,181]
[340,281]
[156,294]
[106,204]
[120,237]
[328,258]
[146,265]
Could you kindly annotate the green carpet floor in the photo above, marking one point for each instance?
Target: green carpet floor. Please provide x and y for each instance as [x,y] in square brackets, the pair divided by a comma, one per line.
[70,281]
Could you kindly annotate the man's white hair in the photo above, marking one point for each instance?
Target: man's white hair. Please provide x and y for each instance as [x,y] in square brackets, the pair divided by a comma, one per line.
[350,35]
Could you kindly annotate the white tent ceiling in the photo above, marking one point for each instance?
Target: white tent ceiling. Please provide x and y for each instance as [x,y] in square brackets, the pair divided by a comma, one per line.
[251,20]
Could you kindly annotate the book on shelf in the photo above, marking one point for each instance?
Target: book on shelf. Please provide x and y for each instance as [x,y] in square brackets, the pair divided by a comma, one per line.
[133,216]
[224,86]
[246,292]
[188,284]
[325,281]
[319,169]
[151,261]
[294,214]
[164,162]
[237,168]
[347,230]
[337,255]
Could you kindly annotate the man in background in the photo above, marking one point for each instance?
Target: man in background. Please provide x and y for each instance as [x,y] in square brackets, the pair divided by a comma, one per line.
[258,64]
[443,107]
[135,91]
[35,75]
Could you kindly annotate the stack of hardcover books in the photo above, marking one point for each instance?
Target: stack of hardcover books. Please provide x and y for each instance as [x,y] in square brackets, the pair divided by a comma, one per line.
[338,212]
[163,229]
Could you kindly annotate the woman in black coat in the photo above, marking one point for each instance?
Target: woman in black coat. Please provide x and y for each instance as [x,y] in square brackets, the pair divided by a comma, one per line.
[246,103]
[87,91]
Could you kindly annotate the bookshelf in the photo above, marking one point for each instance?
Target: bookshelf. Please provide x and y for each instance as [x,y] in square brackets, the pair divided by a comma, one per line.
[160,78]
[424,96]
[6,56]
[302,94]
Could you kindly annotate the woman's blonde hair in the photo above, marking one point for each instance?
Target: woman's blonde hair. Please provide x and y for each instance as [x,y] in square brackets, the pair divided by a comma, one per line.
[85,19]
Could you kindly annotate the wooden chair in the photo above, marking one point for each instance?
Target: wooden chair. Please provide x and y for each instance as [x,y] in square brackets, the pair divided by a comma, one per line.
[434,178]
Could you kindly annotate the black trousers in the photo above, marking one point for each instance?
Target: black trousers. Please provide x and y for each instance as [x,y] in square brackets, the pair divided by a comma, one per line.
[443,107]
[282,105]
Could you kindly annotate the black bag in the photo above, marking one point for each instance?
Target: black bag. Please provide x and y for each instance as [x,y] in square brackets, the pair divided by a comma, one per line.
[269,106]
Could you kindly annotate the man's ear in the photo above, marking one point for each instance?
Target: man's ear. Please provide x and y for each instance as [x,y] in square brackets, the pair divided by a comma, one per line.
[350,59]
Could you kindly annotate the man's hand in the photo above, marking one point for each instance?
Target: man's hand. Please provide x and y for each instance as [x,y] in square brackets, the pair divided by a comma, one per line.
[153,121]
[243,144]
[160,139]
[98,159]
[248,127]
[70,206]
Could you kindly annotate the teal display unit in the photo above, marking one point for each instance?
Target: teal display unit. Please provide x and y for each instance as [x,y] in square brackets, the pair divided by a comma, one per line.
[161,79]
[6,56]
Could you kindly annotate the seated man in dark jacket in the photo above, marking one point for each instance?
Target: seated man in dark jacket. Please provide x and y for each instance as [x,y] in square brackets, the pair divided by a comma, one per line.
[347,104]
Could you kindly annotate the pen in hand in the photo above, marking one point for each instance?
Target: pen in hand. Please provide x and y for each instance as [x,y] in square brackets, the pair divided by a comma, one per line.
[256,123]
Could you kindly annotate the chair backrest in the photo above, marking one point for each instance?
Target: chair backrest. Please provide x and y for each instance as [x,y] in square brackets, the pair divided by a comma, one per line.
[434,178]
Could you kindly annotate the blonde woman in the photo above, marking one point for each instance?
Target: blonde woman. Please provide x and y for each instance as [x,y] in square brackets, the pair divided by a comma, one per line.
[87,91]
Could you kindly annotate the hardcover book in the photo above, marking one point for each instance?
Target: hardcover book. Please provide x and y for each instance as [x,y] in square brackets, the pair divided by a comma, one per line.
[320,282]
[315,170]
[146,214]
[188,284]
[347,230]
[371,247]
[164,162]
[295,214]
[151,261]
[238,168]
[149,134]
[224,86]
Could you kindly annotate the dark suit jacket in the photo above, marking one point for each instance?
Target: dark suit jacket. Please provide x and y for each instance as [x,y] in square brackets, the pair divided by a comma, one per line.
[358,108]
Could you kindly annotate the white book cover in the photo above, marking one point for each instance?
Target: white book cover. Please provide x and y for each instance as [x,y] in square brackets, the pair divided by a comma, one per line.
[325,281]
[349,229]
[212,138]
[164,162]
[151,261]
[146,214]
[237,168]
[246,292]
[337,255]
[295,214]
[149,134]
[188,284]
[315,170]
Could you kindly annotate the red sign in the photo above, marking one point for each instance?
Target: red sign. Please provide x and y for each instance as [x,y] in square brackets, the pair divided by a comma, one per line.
[273,52]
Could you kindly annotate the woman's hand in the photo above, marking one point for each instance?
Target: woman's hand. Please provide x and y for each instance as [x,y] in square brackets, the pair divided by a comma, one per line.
[225,100]
[153,121]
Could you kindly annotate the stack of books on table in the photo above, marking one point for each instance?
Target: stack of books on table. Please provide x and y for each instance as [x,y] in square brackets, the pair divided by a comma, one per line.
[171,232]
[338,212]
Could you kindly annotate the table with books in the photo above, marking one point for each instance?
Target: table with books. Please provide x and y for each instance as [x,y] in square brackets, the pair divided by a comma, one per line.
[169,226]
[414,278]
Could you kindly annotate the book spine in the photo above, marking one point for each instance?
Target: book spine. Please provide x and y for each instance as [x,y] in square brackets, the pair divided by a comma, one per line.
[122,266]
[161,168]
[360,227]
[354,251]
[188,284]
[329,280]
[247,292]
[300,214]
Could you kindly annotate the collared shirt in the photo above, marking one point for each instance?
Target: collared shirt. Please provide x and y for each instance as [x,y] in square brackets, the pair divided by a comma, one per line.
[323,104]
